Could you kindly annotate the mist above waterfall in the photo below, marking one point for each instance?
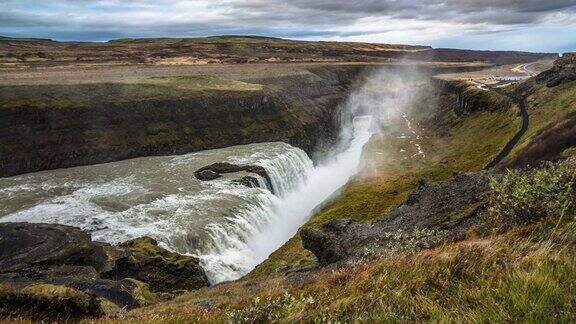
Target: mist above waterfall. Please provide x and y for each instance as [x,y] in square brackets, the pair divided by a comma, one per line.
[384,95]
[231,228]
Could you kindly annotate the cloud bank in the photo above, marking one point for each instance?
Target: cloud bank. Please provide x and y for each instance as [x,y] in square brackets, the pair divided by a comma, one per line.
[458,23]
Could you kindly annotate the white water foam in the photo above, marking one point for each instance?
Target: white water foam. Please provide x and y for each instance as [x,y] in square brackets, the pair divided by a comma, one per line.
[255,233]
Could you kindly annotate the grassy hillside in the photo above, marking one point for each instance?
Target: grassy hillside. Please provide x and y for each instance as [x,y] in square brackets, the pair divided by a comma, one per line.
[515,263]
[551,131]
[519,272]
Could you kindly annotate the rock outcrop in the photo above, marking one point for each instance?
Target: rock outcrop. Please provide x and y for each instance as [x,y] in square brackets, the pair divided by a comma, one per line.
[127,275]
[563,71]
[433,214]
[214,171]
[24,245]
[47,301]
[163,270]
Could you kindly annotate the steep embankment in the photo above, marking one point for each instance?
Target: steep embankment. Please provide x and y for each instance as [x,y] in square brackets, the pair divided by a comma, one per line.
[551,104]
[47,126]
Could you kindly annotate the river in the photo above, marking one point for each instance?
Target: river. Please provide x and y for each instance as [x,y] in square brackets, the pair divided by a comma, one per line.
[230,227]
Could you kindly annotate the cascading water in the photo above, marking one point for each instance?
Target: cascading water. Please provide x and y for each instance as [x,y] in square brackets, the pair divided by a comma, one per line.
[230,227]
[158,197]
[258,231]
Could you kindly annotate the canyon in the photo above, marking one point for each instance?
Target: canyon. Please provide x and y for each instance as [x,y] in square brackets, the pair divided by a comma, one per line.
[260,180]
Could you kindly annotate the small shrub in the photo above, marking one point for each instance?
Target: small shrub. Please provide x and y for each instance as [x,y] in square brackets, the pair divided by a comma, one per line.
[527,197]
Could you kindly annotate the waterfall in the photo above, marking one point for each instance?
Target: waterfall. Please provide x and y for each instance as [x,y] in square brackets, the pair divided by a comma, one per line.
[254,233]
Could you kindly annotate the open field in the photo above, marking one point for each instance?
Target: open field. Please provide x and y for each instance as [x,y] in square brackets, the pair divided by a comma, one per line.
[31,53]
[80,74]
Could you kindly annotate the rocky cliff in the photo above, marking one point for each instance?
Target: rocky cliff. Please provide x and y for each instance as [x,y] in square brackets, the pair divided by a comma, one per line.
[468,99]
[54,126]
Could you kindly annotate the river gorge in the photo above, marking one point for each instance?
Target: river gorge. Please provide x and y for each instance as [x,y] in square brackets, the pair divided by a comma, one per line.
[230,227]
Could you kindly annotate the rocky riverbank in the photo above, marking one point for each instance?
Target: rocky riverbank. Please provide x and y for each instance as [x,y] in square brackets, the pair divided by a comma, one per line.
[60,267]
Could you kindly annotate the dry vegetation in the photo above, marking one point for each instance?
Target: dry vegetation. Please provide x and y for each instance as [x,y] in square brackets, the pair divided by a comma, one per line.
[22,53]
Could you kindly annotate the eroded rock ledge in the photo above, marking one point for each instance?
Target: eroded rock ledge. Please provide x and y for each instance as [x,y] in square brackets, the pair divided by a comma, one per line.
[433,214]
[39,261]
[215,171]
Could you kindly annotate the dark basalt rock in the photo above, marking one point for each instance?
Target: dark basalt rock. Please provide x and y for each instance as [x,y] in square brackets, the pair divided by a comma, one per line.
[23,245]
[206,175]
[248,181]
[433,214]
[163,270]
[65,257]
[564,71]
[215,170]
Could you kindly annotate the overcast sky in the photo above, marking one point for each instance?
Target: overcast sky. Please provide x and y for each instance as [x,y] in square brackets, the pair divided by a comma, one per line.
[534,25]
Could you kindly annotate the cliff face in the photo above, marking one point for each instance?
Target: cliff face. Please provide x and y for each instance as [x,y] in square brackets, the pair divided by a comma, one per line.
[54,126]
[469,99]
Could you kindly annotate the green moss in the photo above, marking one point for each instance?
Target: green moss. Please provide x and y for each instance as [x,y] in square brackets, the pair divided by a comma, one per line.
[142,291]
[162,270]
[107,306]
[47,302]
[569,152]
[58,291]
[146,247]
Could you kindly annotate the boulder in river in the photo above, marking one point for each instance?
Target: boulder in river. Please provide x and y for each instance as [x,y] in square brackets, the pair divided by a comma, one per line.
[248,181]
[207,175]
[214,171]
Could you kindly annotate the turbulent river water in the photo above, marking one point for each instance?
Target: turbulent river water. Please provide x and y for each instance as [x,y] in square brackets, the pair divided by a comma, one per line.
[230,227]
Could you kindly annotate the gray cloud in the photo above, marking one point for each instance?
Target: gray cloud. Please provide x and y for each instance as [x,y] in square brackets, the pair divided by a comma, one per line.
[489,11]
[296,18]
